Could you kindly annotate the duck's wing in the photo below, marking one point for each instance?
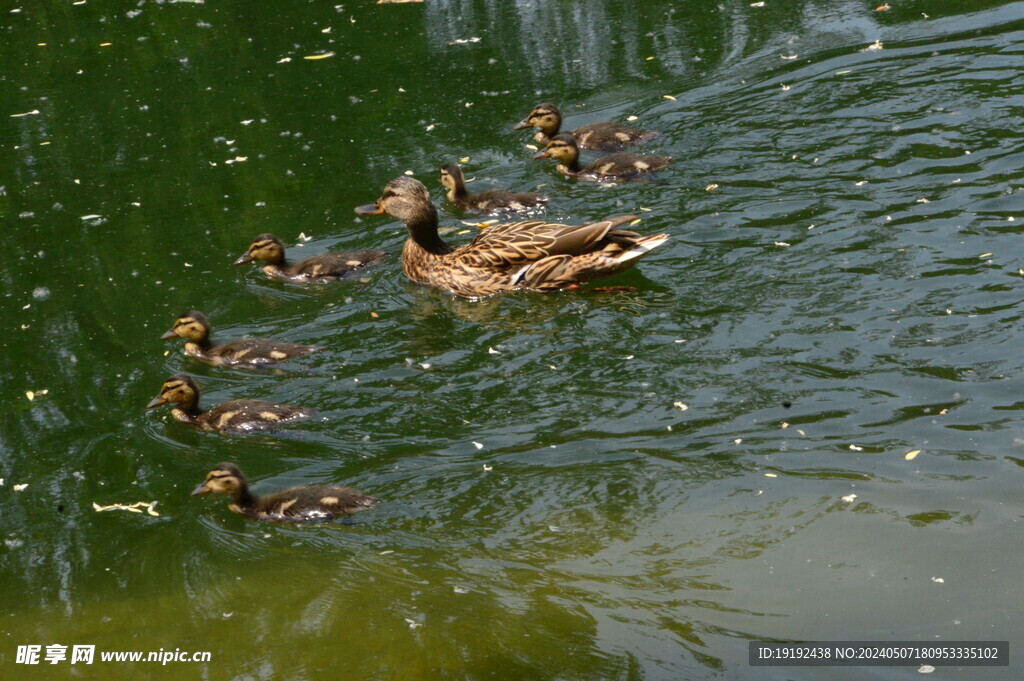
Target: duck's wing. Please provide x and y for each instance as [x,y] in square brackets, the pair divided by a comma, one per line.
[515,244]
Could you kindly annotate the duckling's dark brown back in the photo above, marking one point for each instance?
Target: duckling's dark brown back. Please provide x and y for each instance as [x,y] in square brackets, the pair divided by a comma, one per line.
[312,502]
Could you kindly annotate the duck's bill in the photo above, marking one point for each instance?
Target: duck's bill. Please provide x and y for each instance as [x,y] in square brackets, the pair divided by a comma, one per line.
[156,402]
[522,125]
[243,259]
[169,335]
[369,209]
[200,491]
[542,154]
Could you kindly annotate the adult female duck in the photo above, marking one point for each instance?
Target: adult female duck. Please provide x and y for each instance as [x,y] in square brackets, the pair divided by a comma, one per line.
[536,255]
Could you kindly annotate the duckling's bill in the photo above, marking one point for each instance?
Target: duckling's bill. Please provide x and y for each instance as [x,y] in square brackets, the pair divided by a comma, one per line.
[544,153]
[156,402]
[201,490]
[243,259]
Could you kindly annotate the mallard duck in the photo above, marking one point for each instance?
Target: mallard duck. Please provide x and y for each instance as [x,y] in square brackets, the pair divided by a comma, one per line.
[324,267]
[310,502]
[598,136]
[543,256]
[490,201]
[615,167]
[195,329]
[238,416]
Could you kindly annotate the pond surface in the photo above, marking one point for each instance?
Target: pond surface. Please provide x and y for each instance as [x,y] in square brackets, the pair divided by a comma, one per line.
[578,485]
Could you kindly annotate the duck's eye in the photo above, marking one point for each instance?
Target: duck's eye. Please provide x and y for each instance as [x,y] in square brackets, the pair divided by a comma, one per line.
[388,193]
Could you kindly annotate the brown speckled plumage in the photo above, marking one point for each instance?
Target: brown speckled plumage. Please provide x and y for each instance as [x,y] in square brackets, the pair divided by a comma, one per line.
[614,167]
[598,136]
[324,267]
[538,255]
[252,352]
[489,201]
[236,416]
[307,503]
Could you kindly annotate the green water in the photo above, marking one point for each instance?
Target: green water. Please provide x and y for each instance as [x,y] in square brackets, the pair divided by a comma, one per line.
[849,292]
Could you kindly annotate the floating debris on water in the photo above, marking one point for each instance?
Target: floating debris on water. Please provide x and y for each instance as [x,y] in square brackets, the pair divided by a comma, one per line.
[137,507]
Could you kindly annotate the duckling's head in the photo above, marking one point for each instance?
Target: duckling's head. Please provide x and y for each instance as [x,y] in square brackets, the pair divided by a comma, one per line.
[178,389]
[452,177]
[563,148]
[406,199]
[225,478]
[265,247]
[545,117]
[191,325]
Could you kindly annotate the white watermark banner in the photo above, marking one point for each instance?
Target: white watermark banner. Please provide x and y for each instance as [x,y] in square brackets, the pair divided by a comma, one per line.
[56,653]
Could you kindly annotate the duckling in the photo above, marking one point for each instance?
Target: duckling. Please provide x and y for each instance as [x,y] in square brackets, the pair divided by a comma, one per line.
[236,416]
[490,201]
[194,327]
[323,267]
[615,167]
[537,255]
[598,136]
[310,502]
